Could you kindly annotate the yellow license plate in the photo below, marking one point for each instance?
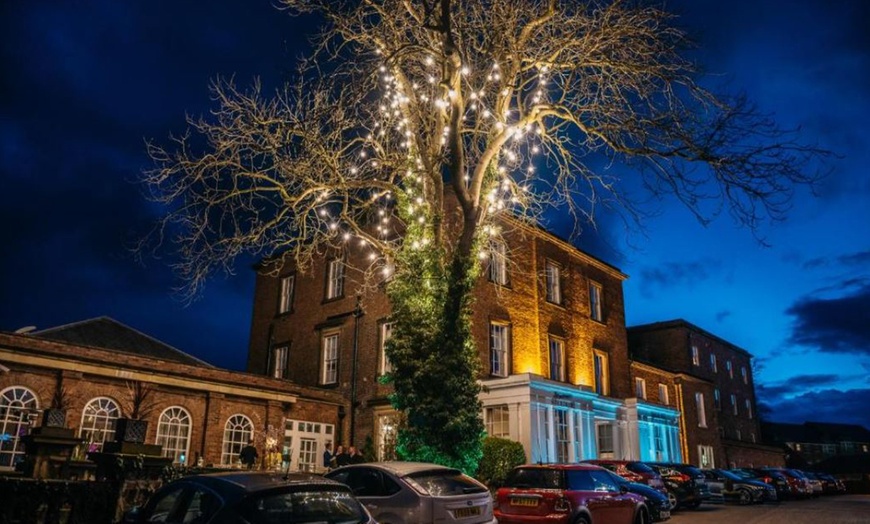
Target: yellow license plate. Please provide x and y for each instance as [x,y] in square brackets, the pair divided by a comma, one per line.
[462,513]
[524,501]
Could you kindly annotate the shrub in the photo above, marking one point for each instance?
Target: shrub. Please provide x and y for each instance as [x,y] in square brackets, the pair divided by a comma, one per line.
[500,456]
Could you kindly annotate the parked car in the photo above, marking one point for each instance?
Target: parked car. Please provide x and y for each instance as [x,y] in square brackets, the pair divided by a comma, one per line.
[417,493]
[687,487]
[252,497]
[633,471]
[657,501]
[771,478]
[567,494]
[728,487]
[831,484]
[814,483]
[798,486]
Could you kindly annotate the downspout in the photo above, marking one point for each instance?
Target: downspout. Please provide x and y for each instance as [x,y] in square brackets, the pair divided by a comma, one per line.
[357,313]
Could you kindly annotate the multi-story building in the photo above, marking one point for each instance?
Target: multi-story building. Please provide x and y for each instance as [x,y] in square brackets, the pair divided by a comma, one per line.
[549,325]
[813,442]
[715,391]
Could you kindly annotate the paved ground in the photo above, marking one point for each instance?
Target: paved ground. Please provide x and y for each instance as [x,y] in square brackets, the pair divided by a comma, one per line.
[843,509]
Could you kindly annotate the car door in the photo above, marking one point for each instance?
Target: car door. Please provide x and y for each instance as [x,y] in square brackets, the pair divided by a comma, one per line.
[612,505]
[379,493]
[167,505]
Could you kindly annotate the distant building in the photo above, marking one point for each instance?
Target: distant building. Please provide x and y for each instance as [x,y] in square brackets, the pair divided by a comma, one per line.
[193,408]
[714,390]
[813,442]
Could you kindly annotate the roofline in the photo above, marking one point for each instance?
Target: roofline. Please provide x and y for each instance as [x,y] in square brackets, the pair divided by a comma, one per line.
[679,322]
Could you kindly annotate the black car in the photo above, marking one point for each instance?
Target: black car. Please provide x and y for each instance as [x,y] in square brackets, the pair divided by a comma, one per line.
[769,477]
[251,497]
[684,489]
[729,487]
[830,484]
[657,502]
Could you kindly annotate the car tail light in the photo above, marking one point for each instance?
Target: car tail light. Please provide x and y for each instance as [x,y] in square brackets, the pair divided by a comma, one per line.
[767,480]
[682,477]
[562,504]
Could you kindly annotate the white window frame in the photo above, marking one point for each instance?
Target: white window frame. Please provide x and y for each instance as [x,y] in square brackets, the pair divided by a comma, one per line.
[730,369]
[562,430]
[708,452]
[280,361]
[601,362]
[98,422]
[701,410]
[330,349]
[385,331]
[596,309]
[285,296]
[664,395]
[714,364]
[745,375]
[734,404]
[498,262]
[554,283]
[238,432]
[748,405]
[696,356]
[335,279]
[173,433]
[717,399]
[304,442]
[556,350]
[640,388]
[499,349]
[387,428]
[18,404]
[497,421]
[605,430]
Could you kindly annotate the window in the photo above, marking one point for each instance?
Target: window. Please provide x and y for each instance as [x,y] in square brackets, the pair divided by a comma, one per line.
[601,370]
[307,454]
[387,431]
[700,409]
[730,369]
[557,359]
[98,422]
[737,434]
[497,420]
[595,309]
[663,394]
[498,263]
[499,349]
[734,403]
[554,285]
[335,279]
[285,297]
[563,439]
[717,401]
[713,364]
[744,375]
[16,405]
[752,437]
[604,435]
[640,388]
[386,331]
[696,356]
[748,405]
[173,433]
[329,359]
[705,456]
[238,432]
[304,443]
[280,358]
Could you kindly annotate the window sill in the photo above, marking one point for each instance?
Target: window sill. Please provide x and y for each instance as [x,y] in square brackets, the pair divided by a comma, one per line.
[333,299]
[284,314]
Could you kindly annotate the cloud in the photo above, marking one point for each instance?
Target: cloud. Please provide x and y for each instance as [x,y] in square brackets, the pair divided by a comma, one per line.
[859,260]
[672,274]
[830,405]
[833,325]
[798,384]
[722,315]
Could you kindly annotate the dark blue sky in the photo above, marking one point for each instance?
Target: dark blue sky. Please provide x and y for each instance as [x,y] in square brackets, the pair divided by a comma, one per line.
[84,84]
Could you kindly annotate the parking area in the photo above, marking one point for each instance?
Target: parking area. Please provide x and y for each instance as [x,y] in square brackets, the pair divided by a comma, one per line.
[844,509]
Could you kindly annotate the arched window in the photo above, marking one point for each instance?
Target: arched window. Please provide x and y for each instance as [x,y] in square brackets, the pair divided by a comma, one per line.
[173,433]
[17,404]
[238,431]
[98,422]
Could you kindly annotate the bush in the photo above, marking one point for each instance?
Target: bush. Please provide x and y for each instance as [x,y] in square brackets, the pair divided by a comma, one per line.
[500,456]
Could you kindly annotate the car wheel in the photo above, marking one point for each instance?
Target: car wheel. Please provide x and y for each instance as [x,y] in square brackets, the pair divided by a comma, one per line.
[672,499]
[642,517]
[745,497]
[582,519]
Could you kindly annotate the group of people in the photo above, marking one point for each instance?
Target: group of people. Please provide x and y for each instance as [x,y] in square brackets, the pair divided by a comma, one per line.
[341,456]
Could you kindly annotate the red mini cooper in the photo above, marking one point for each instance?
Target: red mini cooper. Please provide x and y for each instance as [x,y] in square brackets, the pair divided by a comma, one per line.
[567,494]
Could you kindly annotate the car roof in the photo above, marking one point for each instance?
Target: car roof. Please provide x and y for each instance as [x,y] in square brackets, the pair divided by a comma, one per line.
[581,466]
[400,468]
[242,483]
[609,461]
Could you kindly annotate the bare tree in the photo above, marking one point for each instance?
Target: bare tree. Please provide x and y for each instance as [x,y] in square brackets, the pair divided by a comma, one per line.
[416,124]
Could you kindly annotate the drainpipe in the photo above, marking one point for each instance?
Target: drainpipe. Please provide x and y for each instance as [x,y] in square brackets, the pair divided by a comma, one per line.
[357,313]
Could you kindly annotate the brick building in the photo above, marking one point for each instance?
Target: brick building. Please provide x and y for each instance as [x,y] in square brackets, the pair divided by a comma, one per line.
[548,321]
[193,409]
[813,442]
[715,392]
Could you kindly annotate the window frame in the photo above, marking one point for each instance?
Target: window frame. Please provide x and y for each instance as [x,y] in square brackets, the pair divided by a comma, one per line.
[748,404]
[385,331]
[553,282]
[334,284]
[243,428]
[745,374]
[696,356]
[717,399]
[730,368]
[501,422]
[504,352]
[326,372]
[498,259]
[18,403]
[168,437]
[664,398]
[604,387]
[714,363]
[596,301]
[108,430]
[700,409]
[283,372]
[286,293]
[640,388]
[734,410]
[561,370]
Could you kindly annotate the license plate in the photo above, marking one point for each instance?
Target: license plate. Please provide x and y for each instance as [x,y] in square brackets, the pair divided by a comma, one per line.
[665,514]
[524,501]
[462,513]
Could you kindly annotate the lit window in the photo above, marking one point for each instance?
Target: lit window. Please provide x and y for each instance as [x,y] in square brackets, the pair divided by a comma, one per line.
[663,394]
[307,454]
[499,348]
[497,420]
[554,286]
[557,359]
[285,299]
[602,378]
[335,279]
[717,400]
[730,369]
[713,364]
[238,432]
[280,356]
[640,388]
[744,375]
[595,301]
[748,405]
[734,403]
[98,422]
[498,263]
[696,356]
[16,403]
[563,438]
[701,410]
[604,437]
[329,362]
[173,433]
[386,331]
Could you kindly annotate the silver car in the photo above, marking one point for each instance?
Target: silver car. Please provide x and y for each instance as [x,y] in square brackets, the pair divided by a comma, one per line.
[417,493]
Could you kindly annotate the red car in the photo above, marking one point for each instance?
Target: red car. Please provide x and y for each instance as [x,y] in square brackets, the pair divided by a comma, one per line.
[632,471]
[567,494]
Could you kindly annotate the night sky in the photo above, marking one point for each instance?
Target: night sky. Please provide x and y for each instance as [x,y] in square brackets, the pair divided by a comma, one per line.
[85,83]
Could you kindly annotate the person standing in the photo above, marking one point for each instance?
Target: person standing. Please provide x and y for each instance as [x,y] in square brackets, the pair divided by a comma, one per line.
[248,455]
[355,456]
[341,457]
[327,456]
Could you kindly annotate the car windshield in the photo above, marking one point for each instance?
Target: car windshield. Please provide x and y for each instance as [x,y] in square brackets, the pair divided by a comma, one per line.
[308,506]
[444,483]
[538,478]
[730,475]
[639,467]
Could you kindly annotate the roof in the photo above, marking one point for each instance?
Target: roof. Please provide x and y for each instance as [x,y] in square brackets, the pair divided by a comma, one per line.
[108,333]
[815,432]
[243,482]
[680,323]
